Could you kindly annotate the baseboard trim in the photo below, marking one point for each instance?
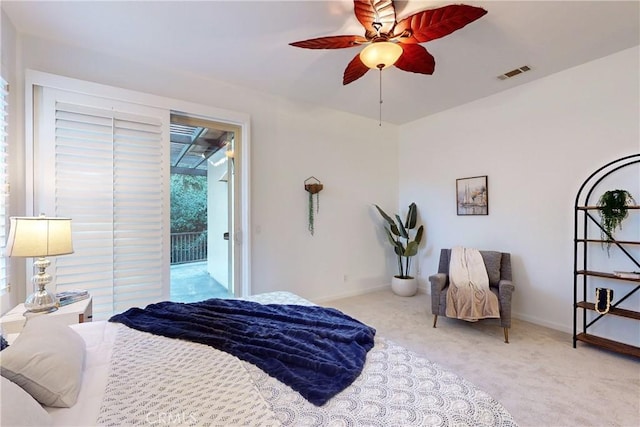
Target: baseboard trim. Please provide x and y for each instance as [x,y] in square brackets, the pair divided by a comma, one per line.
[423,289]
[350,294]
[542,322]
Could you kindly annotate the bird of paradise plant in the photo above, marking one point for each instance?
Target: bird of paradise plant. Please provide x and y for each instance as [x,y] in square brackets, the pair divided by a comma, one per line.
[404,246]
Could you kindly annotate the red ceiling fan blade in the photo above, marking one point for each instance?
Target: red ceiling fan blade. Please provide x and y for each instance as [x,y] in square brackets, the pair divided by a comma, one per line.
[370,11]
[416,59]
[331,42]
[435,23]
[354,70]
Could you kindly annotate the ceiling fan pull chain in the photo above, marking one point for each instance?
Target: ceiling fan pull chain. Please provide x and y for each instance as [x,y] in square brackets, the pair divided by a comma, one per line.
[380,119]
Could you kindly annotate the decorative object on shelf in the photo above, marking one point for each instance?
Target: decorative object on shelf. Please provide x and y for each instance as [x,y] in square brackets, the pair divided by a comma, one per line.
[604,296]
[313,186]
[613,210]
[472,196]
[69,297]
[40,237]
[405,247]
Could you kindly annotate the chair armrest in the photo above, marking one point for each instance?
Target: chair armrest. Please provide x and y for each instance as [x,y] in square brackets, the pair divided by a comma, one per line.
[438,283]
[505,288]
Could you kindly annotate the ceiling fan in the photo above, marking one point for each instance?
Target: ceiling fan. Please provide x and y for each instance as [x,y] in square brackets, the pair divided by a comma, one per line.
[389,42]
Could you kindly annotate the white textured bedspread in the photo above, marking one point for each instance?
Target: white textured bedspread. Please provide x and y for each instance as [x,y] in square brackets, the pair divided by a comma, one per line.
[396,388]
[164,381]
[157,380]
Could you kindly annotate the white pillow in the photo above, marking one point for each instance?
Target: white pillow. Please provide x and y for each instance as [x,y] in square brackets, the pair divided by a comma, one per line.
[46,360]
[20,409]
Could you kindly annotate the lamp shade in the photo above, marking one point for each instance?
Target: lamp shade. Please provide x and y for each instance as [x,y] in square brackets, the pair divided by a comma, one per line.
[380,55]
[39,237]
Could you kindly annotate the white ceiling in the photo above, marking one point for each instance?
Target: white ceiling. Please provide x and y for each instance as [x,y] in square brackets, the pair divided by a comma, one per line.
[246,43]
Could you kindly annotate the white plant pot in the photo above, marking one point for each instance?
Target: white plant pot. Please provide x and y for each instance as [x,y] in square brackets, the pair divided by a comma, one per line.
[404,287]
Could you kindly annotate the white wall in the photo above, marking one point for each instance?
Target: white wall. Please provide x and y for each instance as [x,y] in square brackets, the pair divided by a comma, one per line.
[537,143]
[357,164]
[355,159]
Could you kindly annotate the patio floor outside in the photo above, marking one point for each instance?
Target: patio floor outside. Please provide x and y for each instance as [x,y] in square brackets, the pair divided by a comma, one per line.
[191,282]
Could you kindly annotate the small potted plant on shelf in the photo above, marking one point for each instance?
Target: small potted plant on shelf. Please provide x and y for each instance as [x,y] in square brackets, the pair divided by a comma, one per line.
[405,247]
[613,210]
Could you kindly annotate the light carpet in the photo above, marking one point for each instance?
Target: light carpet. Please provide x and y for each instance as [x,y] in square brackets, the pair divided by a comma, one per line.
[539,377]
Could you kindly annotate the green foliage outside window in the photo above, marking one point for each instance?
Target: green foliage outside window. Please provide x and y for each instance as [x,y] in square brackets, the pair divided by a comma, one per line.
[188,203]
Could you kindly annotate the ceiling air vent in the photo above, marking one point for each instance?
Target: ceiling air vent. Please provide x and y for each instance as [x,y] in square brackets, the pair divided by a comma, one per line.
[514,73]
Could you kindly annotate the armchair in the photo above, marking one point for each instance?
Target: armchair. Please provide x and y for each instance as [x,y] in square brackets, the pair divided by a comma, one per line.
[498,265]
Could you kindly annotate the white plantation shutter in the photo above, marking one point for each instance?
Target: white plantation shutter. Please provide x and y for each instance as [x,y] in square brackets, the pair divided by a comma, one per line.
[4,185]
[138,211]
[108,177]
[84,192]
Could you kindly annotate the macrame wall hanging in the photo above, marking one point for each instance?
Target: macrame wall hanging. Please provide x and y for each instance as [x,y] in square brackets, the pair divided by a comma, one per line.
[313,186]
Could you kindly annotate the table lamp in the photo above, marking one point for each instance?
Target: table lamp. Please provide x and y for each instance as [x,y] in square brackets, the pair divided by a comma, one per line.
[40,237]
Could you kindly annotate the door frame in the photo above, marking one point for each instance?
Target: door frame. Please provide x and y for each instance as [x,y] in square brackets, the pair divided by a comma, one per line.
[242,234]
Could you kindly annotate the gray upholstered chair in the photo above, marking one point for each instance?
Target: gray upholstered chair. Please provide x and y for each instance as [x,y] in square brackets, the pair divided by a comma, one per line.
[498,265]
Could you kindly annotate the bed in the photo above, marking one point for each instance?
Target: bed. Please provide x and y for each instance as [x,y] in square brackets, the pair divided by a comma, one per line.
[131,377]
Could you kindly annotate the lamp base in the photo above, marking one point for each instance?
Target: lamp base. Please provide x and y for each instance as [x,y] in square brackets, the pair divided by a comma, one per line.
[41,301]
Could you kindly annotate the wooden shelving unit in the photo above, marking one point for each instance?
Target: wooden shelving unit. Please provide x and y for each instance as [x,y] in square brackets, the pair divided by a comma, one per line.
[606,275]
[582,273]
[616,346]
[614,311]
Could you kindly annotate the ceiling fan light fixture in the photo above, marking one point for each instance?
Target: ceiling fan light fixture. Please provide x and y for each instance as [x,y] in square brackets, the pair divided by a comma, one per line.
[380,55]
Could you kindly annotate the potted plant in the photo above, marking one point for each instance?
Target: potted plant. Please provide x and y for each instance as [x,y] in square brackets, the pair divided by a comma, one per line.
[613,209]
[405,247]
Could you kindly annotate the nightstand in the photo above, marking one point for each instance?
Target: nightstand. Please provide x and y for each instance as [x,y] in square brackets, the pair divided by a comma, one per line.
[78,312]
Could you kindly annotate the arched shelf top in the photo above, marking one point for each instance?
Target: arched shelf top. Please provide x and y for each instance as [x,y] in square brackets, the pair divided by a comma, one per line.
[586,189]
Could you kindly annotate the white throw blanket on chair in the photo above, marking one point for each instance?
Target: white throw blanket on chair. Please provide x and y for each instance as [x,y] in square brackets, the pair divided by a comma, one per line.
[468,296]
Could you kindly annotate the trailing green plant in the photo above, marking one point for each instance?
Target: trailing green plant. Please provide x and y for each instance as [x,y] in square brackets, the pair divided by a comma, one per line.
[613,210]
[399,235]
[311,213]
[312,188]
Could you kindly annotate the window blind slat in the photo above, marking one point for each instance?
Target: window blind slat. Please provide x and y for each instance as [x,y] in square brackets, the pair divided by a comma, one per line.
[82,110]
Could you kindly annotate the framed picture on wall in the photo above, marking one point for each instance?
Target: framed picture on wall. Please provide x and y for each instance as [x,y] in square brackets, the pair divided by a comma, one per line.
[472,196]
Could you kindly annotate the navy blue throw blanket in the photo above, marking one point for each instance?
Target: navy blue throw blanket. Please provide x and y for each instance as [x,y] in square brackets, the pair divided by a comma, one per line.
[316,351]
